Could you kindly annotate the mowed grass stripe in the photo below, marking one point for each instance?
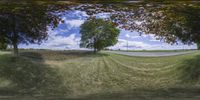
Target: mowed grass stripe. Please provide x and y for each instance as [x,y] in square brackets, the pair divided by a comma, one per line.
[144,72]
[171,71]
[138,76]
[165,68]
[140,68]
[145,62]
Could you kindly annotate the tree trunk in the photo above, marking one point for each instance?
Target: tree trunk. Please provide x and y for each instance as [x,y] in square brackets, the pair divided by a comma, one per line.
[15,37]
[198,46]
[95,51]
[15,48]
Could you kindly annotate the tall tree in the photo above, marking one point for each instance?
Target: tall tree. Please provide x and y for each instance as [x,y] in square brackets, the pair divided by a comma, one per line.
[98,34]
[3,45]
[26,23]
[171,22]
[198,46]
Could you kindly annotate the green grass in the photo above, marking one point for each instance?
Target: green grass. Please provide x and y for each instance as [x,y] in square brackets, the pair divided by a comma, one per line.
[181,50]
[53,75]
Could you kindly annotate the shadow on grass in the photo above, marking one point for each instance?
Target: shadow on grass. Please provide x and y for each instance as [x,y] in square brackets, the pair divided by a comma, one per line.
[29,77]
[147,94]
[191,69]
[59,55]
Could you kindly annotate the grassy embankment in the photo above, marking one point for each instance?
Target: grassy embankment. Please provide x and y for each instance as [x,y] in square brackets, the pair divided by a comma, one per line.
[82,75]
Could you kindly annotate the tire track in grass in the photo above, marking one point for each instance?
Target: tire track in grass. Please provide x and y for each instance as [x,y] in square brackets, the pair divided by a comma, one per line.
[160,72]
[136,75]
[75,75]
[168,69]
[168,79]
[152,67]
[107,79]
[124,79]
[116,80]
[95,78]
[133,69]
[123,70]
[135,79]
[110,81]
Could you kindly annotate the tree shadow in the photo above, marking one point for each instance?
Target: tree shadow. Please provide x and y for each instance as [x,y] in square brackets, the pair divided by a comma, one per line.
[191,69]
[59,55]
[147,94]
[27,76]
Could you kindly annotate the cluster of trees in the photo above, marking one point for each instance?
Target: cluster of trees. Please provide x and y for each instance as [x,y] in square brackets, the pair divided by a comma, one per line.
[3,45]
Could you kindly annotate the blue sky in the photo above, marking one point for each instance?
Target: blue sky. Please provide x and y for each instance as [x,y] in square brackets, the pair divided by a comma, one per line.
[66,36]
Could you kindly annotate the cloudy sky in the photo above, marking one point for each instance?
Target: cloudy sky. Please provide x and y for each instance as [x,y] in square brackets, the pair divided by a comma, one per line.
[66,36]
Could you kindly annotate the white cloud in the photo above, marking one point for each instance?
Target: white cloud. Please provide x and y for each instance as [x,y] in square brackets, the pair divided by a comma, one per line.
[139,45]
[74,22]
[74,18]
[102,15]
[123,44]
[56,41]
[135,37]
[127,35]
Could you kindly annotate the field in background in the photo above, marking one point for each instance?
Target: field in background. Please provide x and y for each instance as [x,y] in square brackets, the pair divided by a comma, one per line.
[181,50]
[83,75]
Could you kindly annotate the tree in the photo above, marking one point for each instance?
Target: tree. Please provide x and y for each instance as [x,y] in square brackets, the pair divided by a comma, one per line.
[170,22]
[26,23]
[98,34]
[173,22]
[198,46]
[3,46]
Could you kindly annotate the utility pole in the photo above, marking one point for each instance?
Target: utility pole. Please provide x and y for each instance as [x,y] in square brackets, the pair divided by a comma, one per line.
[127,44]
[78,43]
[127,36]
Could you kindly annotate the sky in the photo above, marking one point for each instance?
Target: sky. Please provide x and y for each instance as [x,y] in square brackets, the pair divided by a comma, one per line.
[66,37]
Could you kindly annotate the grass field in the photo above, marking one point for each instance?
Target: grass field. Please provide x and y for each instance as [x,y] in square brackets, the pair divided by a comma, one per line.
[181,50]
[60,75]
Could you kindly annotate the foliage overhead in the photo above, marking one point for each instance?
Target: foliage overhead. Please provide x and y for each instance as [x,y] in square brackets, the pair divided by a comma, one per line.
[172,22]
[98,34]
[169,21]
[3,45]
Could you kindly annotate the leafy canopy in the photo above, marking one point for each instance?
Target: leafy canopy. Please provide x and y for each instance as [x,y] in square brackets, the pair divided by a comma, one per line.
[171,21]
[98,34]
[26,23]
[3,46]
